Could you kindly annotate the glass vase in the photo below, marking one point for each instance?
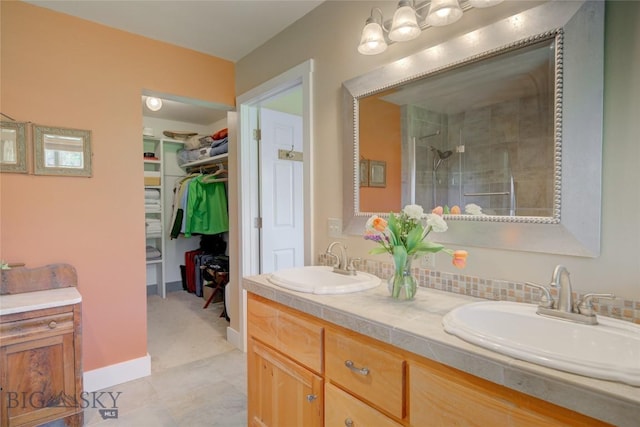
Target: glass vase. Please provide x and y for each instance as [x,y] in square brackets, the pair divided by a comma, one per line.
[402,285]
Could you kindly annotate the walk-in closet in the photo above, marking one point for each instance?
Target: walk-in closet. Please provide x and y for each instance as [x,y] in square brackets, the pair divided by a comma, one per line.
[185,152]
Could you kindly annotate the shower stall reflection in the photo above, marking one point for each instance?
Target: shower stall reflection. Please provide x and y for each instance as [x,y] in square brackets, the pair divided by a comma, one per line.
[445,170]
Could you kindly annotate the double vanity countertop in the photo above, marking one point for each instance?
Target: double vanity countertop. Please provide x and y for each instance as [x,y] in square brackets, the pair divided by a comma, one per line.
[416,326]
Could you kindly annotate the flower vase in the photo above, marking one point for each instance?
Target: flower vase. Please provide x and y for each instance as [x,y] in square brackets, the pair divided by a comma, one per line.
[402,285]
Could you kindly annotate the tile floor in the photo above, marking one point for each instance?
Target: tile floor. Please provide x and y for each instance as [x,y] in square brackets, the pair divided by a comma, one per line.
[198,378]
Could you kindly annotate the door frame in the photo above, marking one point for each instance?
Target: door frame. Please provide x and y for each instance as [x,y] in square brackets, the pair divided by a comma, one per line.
[247,234]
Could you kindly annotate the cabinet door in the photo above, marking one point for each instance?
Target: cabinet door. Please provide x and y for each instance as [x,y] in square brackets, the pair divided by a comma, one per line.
[281,392]
[342,409]
[38,380]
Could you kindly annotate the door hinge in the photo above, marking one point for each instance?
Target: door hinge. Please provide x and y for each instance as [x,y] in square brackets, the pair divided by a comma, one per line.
[257,134]
[258,222]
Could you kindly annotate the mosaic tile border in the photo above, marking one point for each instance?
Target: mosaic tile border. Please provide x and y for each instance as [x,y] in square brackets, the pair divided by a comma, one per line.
[492,289]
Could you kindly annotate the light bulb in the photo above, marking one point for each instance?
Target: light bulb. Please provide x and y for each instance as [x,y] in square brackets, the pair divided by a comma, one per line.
[153,104]
[372,41]
[404,26]
[443,12]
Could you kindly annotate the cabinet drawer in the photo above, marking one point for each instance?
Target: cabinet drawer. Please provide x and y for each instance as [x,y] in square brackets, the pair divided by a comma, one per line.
[374,374]
[289,332]
[342,409]
[444,397]
[40,326]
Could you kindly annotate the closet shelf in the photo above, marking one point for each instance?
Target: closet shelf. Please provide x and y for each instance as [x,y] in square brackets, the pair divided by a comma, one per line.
[220,158]
[154,261]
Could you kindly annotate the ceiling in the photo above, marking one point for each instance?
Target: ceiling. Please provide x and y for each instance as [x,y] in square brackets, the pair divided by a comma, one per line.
[228,29]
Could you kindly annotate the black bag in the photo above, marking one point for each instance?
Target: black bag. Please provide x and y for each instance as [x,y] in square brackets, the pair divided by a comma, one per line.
[213,244]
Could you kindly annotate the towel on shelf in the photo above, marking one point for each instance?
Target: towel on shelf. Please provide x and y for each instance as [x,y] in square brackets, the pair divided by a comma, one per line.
[151,194]
[153,253]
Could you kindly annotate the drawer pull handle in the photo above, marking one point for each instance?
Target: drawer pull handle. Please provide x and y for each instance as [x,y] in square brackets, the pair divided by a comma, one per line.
[348,422]
[362,371]
[311,397]
[53,324]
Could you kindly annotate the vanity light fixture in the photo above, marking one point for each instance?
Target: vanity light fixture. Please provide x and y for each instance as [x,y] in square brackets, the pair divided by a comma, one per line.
[153,104]
[410,18]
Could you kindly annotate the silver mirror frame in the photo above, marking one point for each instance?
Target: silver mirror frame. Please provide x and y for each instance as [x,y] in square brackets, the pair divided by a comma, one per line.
[574,229]
[39,153]
[21,148]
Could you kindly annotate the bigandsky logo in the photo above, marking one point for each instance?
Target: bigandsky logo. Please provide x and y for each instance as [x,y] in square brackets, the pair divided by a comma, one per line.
[106,402]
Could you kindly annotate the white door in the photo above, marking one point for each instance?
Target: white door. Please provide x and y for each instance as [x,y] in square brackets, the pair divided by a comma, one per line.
[281,191]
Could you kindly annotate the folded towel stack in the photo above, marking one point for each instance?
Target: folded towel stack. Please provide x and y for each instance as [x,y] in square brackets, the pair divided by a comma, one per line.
[153,253]
[154,227]
[151,200]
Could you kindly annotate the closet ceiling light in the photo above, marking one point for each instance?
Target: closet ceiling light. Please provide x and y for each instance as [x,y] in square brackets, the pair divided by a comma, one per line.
[153,104]
[410,19]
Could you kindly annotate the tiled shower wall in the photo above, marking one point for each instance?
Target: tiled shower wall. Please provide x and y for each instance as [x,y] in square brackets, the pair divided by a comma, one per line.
[493,289]
[491,145]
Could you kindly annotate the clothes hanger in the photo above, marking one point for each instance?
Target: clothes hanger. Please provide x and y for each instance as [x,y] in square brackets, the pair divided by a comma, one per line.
[214,176]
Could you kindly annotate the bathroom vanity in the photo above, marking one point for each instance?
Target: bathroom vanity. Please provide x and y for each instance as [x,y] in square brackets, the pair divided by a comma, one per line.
[40,347]
[365,359]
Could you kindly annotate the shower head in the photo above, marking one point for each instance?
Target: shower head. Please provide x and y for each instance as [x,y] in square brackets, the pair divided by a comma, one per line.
[442,154]
[439,156]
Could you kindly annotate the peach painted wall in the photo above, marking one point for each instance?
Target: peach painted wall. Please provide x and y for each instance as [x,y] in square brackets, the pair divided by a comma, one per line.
[62,71]
[382,134]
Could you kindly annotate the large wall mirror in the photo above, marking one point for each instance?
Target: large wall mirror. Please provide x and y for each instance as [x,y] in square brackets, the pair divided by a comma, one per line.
[13,147]
[62,151]
[506,119]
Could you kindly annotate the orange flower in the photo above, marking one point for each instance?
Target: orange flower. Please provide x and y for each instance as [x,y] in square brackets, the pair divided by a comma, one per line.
[455,210]
[437,210]
[460,258]
[379,224]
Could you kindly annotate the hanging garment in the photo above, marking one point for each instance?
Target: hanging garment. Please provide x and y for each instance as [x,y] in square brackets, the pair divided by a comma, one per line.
[206,210]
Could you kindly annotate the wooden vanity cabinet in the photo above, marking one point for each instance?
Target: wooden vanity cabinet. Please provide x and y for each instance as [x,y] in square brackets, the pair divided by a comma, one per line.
[383,386]
[284,359]
[40,367]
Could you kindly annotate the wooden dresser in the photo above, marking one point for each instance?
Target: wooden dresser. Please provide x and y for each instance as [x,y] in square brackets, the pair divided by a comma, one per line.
[40,347]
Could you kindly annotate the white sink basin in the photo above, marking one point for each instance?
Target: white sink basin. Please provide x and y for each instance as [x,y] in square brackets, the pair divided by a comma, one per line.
[322,280]
[609,350]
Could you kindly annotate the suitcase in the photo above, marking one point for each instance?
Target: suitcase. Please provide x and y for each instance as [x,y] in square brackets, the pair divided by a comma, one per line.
[190,271]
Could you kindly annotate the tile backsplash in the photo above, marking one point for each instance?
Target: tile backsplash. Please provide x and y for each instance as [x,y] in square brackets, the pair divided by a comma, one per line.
[494,289]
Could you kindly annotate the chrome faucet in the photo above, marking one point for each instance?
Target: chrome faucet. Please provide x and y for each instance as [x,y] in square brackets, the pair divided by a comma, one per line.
[560,280]
[564,308]
[342,265]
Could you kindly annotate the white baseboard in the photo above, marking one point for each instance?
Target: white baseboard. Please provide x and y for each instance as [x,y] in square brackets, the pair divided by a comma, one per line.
[119,373]
[233,338]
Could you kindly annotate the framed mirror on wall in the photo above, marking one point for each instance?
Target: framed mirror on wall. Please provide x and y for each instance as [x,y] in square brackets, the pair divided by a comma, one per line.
[13,147]
[507,118]
[62,151]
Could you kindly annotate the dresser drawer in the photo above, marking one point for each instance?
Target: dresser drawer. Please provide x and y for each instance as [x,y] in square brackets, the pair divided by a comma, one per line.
[288,331]
[36,326]
[342,409]
[367,370]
